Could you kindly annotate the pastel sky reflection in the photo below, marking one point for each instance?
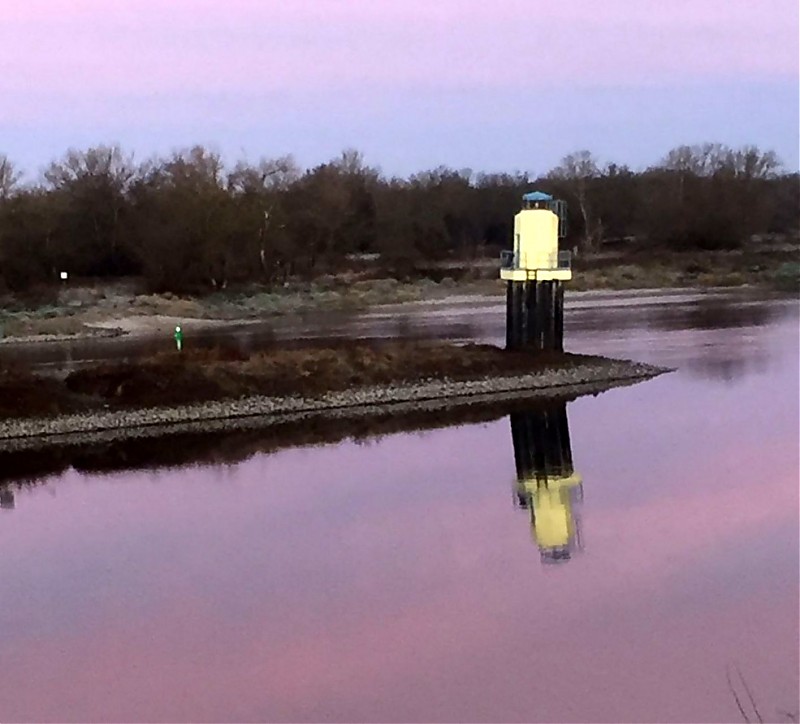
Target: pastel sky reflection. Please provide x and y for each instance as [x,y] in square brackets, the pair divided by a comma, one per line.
[395,581]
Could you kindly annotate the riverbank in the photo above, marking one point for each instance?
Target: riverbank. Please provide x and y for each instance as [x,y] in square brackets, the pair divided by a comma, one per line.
[99,308]
[356,380]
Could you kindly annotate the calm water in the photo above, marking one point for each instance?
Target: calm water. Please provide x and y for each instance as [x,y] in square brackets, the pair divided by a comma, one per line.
[402,579]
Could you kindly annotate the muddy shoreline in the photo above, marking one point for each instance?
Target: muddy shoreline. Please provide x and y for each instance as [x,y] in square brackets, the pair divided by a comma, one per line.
[364,402]
[96,309]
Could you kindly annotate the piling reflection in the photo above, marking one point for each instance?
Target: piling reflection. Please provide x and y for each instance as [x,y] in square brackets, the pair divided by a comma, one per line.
[547,484]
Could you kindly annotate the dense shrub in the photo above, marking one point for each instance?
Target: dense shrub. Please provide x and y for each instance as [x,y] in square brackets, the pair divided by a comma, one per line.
[187,223]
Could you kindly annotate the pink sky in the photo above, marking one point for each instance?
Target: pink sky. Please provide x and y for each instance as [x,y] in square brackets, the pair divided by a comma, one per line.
[313,76]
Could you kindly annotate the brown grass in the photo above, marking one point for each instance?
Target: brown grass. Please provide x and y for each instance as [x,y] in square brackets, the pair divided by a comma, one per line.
[25,395]
[654,268]
[203,375]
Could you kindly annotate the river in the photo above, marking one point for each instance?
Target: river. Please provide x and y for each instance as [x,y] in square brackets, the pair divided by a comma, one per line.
[432,575]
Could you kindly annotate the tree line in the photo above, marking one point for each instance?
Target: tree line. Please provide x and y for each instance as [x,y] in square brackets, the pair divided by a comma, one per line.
[186,222]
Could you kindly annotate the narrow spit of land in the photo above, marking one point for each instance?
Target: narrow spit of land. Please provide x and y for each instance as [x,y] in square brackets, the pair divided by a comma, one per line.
[230,441]
[207,385]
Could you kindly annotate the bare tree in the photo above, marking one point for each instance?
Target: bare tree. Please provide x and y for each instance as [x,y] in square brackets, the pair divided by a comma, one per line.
[709,159]
[88,190]
[9,177]
[268,175]
[575,171]
[257,190]
[751,163]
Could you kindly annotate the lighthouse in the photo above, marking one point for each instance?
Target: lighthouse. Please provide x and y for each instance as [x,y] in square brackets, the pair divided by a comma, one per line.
[535,272]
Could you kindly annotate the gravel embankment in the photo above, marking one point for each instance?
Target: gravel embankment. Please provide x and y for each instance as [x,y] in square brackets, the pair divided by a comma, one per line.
[360,402]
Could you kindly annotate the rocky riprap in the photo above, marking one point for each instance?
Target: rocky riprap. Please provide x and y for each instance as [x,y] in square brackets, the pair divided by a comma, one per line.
[357,402]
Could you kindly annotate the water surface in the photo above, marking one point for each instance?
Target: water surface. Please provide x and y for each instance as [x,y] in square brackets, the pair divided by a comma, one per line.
[399,579]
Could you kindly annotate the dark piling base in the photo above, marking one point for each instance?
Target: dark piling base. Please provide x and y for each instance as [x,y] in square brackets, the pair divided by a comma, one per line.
[535,315]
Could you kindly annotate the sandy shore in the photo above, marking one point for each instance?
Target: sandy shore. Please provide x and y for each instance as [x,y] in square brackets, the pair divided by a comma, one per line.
[362,402]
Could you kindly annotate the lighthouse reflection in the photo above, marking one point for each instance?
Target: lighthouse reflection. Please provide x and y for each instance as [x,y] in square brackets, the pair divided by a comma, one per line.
[547,484]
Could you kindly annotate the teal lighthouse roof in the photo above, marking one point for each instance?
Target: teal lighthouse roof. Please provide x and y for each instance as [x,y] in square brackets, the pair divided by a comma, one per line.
[537,196]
